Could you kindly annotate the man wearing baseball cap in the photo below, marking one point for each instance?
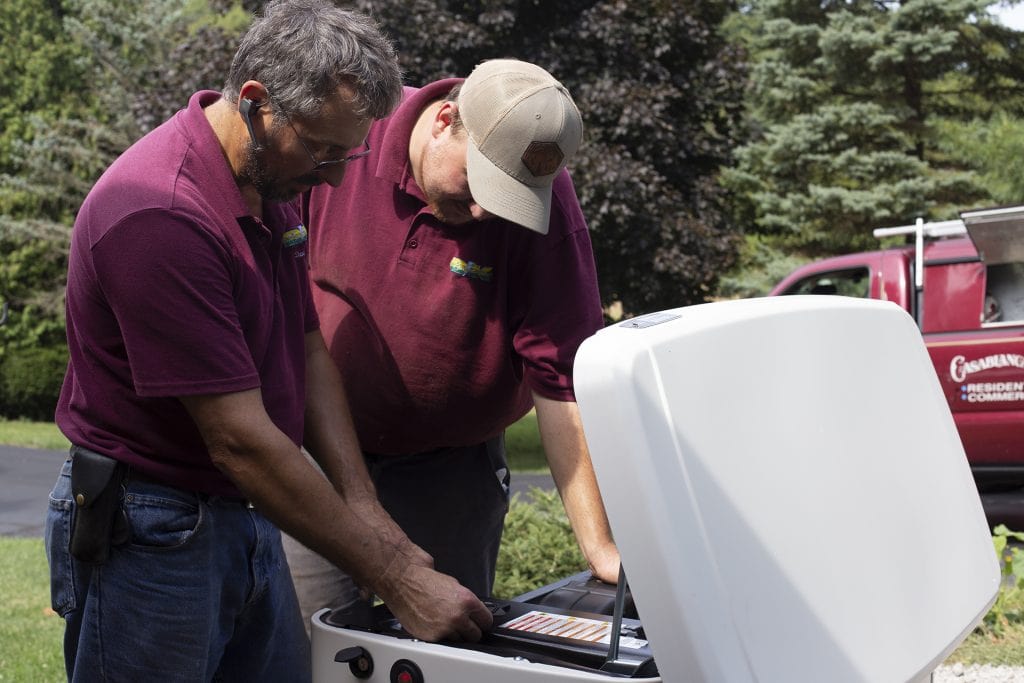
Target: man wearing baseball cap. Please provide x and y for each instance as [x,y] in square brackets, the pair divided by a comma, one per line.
[454,278]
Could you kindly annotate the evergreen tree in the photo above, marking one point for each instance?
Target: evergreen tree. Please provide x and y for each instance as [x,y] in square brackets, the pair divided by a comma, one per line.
[847,97]
[41,85]
[86,78]
[994,147]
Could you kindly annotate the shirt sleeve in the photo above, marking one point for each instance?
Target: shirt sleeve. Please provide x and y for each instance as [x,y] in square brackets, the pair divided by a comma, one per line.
[561,305]
[168,283]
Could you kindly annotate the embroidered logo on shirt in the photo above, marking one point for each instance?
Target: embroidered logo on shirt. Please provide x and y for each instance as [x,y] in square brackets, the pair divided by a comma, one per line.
[474,271]
[295,237]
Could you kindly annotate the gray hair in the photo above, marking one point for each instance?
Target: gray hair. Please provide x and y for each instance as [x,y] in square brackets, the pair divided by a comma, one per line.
[302,50]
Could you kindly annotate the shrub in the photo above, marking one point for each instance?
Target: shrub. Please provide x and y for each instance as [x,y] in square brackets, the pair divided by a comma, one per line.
[538,546]
[1009,606]
[30,381]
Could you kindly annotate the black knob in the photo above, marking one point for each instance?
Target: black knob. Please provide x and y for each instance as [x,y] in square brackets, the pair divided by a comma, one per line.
[360,663]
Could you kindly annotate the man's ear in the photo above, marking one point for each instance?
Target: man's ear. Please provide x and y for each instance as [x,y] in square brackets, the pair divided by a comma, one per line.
[444,116]
[255,92]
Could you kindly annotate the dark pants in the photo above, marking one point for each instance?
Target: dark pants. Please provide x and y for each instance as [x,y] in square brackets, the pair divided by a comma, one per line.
[451,502]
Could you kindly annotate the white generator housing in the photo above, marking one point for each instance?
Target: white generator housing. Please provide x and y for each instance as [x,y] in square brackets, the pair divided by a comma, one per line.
[788,493]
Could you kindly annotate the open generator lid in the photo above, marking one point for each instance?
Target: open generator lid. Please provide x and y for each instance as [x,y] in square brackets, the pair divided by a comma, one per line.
[784,481]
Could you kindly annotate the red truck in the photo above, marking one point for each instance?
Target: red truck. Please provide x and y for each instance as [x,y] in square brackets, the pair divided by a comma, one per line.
[963,282]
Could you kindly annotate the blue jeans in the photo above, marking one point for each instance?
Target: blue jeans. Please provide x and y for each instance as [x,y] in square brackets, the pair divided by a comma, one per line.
[201,592]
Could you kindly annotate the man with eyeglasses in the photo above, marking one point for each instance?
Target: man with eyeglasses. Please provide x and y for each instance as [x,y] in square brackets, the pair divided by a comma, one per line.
[454,277]
[194,345]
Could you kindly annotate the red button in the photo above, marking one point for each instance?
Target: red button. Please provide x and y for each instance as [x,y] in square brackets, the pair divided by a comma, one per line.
[405,671]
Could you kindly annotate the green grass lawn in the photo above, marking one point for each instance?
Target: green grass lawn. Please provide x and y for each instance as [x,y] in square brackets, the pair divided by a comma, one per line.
[43,435]
[522,446]
[30,632]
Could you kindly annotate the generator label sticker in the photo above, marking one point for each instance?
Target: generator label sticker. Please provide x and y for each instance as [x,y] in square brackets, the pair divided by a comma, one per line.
[574,628]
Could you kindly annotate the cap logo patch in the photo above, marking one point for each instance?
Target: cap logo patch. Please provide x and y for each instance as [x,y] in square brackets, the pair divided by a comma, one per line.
[542,158]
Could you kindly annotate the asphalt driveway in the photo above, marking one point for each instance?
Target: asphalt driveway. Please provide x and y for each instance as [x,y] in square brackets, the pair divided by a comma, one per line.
[27,475]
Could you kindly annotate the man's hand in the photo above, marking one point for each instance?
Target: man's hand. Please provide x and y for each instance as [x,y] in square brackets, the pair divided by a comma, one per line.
[433,606]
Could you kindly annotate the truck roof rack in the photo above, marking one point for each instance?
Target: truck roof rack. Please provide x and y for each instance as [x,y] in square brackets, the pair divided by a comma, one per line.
[996,233]
[920,230]
[933,229]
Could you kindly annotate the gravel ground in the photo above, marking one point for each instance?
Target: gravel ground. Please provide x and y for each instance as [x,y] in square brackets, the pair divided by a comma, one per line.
[978,673]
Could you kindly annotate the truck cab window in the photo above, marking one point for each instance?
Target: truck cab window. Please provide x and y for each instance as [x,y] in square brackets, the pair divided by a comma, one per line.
[850,282]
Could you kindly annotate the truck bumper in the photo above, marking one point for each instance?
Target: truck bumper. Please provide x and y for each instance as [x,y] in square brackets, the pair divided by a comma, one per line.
[1004,507]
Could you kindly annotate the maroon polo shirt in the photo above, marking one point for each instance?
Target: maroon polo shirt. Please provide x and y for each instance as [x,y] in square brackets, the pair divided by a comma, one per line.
[440,331]
[174,289]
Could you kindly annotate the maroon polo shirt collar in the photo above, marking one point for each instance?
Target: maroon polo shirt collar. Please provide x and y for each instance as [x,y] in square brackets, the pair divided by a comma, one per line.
[208,150]
[393,164]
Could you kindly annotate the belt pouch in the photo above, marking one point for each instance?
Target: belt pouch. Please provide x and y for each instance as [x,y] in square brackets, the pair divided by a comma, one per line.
[95,484]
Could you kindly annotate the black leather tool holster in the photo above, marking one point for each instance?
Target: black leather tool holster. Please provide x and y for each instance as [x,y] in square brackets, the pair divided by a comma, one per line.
[99,520]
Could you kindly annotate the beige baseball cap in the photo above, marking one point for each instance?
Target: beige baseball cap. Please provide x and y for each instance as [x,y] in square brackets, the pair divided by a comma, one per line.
[523,129]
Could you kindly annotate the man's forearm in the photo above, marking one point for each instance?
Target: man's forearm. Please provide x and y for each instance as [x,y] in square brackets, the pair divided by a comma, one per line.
[271,472]
[329,434]
[352,532]
[330,438]
[569,460]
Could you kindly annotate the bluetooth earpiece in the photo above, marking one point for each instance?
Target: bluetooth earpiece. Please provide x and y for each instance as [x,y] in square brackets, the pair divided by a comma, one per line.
[245,108]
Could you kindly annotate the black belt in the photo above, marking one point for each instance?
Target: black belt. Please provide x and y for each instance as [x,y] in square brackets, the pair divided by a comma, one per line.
[133,474]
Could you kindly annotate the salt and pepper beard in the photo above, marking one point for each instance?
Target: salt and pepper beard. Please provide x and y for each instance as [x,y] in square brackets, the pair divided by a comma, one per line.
[270,188]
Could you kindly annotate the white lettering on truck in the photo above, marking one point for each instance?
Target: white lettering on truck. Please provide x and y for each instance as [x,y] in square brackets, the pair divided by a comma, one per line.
[960,367]
[987,392]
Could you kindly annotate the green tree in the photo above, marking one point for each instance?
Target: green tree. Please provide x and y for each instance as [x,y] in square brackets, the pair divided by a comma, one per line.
[43,83]
[32,347]
[847,97]
[148,56]
[100,73]
[40,69]
[994,147]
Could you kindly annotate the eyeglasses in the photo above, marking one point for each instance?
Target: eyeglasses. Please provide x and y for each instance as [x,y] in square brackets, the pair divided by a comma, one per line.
[326,164]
